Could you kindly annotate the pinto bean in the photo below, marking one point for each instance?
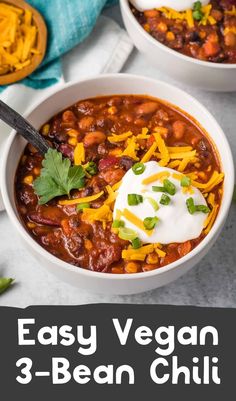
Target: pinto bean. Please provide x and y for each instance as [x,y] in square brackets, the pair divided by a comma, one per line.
[94,138]
[151,13]
[184,248]
[230,39]
[112,176]
[178,129]
[146,108]
[68,116]
[86,122]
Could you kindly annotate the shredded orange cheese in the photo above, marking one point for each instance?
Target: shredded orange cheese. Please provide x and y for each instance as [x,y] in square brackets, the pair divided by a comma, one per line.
[136,221]
[212,216]
[131,148]
[18,36]
[111,196]
[141,253]
[103,214]
[231,12]
[79,154]
[119,138]
[215,179]
[188,15]
[149,153]
[164,153]
[144,134]
[156,177]
[77,201]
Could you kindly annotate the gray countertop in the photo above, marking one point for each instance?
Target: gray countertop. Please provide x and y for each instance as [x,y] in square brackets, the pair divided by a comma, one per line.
[211,283]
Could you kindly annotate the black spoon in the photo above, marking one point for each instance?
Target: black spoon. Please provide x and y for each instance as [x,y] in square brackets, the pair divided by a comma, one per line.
[23,127]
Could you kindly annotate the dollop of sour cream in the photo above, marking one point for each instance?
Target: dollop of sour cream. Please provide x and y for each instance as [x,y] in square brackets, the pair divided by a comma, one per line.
[178,5]
[175,223]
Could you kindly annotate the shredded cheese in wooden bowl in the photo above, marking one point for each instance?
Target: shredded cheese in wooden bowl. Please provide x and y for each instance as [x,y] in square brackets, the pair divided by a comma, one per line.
[23,37]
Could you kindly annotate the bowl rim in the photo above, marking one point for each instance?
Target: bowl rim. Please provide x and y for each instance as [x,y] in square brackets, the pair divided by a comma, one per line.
[124,4]
[101,275]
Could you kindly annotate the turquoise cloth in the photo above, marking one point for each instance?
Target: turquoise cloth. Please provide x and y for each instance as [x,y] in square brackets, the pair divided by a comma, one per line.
[69,22]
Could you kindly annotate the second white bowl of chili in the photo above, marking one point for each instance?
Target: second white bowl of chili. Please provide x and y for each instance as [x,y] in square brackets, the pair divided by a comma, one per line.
[157,112]
[213,76]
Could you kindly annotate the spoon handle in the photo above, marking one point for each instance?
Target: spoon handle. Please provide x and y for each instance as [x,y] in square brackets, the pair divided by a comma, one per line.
[23,127]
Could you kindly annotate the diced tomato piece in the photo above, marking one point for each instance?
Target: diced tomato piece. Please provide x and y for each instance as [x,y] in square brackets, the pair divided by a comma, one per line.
[107,162]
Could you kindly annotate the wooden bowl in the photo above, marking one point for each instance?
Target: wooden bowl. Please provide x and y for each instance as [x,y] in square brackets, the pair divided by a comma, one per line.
[41,44]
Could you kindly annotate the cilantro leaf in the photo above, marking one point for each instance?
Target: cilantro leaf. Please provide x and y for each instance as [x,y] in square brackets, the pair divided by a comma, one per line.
[57,177]
[5,283]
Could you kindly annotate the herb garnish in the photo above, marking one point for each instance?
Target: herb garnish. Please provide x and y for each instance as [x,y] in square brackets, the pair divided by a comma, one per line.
[57,177]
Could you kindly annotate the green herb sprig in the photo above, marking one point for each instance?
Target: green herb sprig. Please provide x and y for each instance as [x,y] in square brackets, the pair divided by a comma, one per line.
[57,177]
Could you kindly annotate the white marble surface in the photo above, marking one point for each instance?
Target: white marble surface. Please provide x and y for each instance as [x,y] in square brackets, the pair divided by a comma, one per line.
[211,283]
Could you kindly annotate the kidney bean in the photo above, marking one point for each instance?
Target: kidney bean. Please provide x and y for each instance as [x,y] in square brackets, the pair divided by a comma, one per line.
[67,150]
[126,162]
[94,138]
[36,218]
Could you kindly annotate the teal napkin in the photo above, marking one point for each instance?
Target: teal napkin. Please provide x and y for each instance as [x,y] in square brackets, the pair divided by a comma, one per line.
[69,22]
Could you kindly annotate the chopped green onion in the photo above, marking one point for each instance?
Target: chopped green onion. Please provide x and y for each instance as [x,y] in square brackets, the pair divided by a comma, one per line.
[169,187]
[92,168]
[165,200]
[185,181]
[127,234]
[158,189]
[136,243]
[118,224]
[196,208]
[82,206]
[197,15]
[197,5]
[138,168]
[134,199]
[153,203]
[150,222]
[202,208]
[190,205]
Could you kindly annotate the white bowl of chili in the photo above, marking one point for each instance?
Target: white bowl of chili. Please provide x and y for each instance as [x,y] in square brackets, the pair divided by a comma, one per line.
[219,77]
[117,84]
